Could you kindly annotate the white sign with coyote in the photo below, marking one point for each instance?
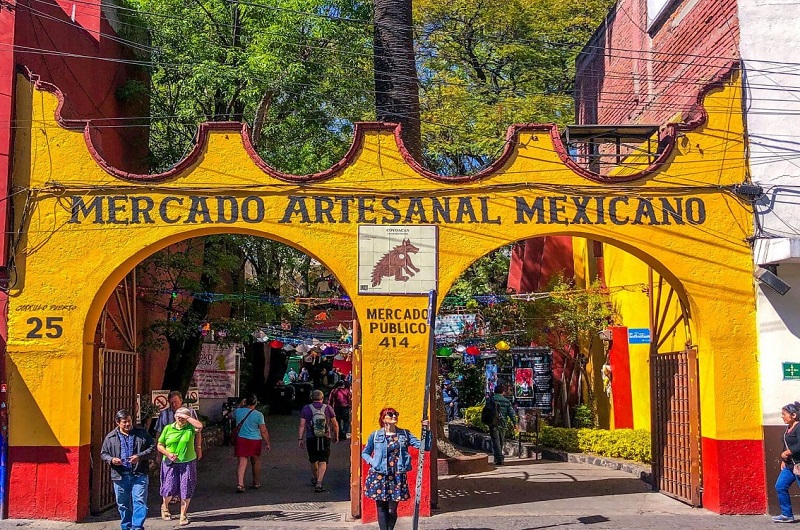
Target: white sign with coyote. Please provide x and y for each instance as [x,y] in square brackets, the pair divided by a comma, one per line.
[396,259]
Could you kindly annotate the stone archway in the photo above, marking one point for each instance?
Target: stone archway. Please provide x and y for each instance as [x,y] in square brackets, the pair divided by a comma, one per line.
[84,223]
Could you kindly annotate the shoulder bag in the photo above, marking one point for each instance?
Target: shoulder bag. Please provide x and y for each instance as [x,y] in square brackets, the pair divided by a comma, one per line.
[795,465]
[235,431]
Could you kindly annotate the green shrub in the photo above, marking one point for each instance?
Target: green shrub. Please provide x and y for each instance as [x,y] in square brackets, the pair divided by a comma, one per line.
[584,417]
[472,417]
[620,443]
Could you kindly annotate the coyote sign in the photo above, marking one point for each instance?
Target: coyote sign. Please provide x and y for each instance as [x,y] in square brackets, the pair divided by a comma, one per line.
[394,263]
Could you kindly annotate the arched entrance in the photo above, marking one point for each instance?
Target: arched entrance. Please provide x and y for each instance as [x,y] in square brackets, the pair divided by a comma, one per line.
[169,294]
[389,231]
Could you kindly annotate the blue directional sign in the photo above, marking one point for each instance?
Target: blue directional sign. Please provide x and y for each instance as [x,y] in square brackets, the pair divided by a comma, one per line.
[639,336]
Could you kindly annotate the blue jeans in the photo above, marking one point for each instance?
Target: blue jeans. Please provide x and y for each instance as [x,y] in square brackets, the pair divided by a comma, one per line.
[784,482]
[131,494]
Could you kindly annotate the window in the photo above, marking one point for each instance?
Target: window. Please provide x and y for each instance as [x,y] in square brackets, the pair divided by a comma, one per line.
[654,9]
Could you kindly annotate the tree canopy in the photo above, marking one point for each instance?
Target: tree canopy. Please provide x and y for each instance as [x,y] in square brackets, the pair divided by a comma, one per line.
[485,65]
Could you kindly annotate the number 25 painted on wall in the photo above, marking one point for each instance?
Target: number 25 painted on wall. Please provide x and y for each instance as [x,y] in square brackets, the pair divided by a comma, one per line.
[51,324]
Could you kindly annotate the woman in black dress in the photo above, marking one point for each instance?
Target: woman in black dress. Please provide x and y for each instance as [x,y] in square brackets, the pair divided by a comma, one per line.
[387,454]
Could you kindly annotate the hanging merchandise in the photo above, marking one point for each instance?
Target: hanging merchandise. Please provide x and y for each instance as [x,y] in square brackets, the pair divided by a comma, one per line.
[444,352]
[205,328]
[606,370]
[329,351]
[276,344]
[502,346]
[461,348]
[288,347]
[301,348]
[473,351]
[345,367]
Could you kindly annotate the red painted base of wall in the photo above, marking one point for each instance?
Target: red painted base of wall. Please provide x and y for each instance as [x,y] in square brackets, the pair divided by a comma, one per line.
[733,476]
[406,508]
[49,483]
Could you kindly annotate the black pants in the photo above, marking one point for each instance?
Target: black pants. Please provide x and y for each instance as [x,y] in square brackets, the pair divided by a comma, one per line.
[498,435]
[387,514]
[343,419]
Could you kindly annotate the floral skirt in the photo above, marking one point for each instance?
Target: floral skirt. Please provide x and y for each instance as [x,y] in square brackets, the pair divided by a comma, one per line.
[386,487]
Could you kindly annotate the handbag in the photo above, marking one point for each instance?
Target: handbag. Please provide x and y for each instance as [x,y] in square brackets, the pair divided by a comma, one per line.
[235,431]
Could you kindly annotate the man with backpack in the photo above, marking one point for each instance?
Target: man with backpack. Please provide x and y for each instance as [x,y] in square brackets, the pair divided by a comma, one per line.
[495,415]
[318,427]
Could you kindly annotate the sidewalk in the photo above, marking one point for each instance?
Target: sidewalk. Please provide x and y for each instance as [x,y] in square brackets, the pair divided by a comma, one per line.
[522,495]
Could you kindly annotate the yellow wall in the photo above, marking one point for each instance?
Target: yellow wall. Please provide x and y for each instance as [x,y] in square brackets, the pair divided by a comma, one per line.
[66,270]
[627,279]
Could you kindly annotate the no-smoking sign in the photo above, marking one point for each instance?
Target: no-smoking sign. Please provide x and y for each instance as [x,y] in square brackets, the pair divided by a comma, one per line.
[160,398]
[193,398]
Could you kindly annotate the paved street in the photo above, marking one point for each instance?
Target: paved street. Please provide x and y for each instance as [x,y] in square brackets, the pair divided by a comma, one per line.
[523,495]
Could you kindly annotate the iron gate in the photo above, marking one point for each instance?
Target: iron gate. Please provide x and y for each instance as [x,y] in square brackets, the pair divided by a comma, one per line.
[117,374]
[676,424]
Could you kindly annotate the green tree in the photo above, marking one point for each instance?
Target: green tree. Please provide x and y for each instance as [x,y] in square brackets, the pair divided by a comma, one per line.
[292,69]
[488,274]
[485,65]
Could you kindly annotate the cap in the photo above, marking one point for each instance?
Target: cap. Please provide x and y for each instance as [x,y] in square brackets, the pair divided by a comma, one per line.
[448,382]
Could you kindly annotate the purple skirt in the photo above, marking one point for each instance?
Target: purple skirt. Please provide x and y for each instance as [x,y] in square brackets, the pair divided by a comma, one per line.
[178,479]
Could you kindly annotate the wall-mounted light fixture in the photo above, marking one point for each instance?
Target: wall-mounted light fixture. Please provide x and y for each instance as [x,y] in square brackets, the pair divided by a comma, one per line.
[768,275]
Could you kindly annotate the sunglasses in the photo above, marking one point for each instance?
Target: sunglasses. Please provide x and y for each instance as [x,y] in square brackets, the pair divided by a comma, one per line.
[393,414]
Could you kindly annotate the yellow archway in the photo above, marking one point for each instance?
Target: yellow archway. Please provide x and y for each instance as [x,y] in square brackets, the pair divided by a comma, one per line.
[84,224]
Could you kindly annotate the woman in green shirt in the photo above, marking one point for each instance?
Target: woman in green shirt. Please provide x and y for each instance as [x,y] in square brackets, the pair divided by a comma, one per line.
[179,466]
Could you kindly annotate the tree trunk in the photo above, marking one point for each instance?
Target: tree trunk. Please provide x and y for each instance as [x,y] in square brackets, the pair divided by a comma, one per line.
[185,352]
[396,83]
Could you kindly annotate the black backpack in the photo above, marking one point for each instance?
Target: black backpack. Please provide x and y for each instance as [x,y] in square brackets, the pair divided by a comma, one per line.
[490,414]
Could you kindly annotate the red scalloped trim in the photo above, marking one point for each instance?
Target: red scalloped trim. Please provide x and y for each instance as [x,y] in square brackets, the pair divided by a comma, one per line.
[696,117]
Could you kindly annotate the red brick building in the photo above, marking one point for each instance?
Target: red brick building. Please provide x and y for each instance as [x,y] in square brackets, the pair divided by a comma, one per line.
[74,46]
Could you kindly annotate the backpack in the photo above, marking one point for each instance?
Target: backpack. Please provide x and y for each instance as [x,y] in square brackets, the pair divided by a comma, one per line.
[490,413]
[319,421]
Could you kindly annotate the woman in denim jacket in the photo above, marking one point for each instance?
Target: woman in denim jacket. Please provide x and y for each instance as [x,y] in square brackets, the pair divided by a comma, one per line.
[387,454]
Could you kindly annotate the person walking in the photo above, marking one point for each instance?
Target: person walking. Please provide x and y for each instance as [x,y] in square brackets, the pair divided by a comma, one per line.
[497,430]
[127,450]
[179,466]
[318,427]
[389,461]
[252,433]
[791,455]
[341,400]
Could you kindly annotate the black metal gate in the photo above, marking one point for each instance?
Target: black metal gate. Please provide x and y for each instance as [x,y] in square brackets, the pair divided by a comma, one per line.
[117,385]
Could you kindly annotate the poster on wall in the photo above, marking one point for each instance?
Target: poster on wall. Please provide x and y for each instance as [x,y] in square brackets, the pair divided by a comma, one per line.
[216,375]
[533,378]
[396,259]
[491,378]
[523,384]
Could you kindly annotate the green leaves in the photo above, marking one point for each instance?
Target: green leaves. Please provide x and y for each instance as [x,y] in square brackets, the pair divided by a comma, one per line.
[486,65]
[215,60]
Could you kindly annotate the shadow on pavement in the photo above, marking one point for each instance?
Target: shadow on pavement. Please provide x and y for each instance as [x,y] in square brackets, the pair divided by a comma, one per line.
[526,482]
